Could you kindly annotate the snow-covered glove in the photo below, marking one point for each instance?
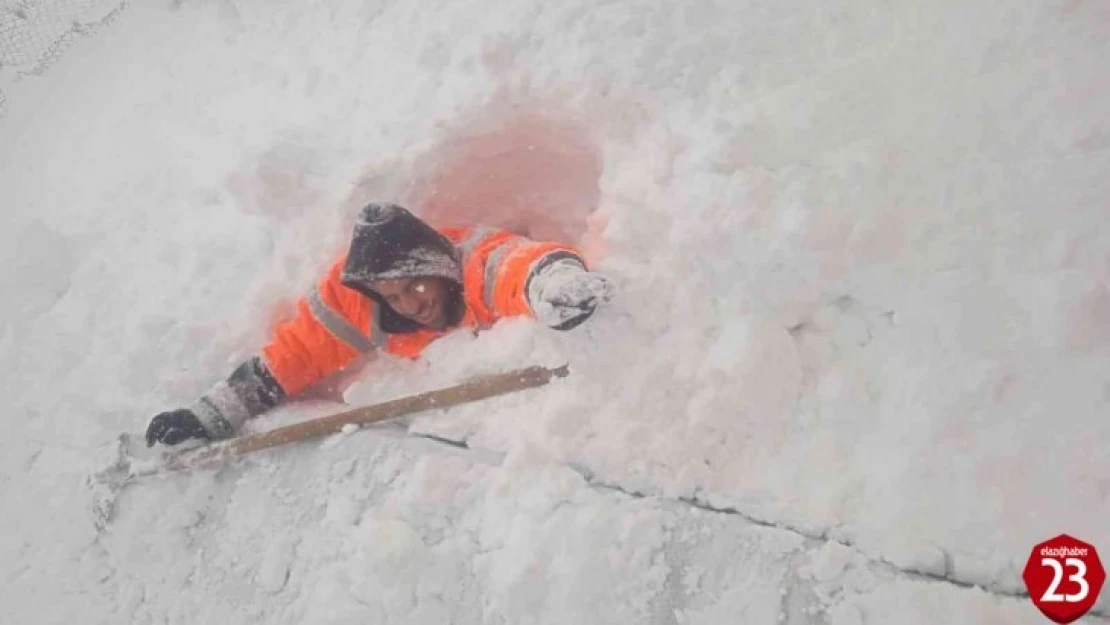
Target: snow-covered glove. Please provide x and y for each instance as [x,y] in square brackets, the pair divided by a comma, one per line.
[563,294]
[176,426]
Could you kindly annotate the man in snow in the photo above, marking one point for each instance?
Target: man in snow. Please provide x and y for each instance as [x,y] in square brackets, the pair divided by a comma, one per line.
[401,285]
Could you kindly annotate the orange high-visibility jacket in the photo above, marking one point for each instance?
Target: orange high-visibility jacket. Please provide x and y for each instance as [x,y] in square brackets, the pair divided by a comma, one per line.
[342,319]
[336,323]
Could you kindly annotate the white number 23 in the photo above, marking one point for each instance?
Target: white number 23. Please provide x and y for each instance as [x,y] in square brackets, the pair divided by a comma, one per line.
[1080,577]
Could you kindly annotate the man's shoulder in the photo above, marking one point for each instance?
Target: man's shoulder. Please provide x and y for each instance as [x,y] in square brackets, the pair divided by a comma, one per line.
[455,233]
[466,236]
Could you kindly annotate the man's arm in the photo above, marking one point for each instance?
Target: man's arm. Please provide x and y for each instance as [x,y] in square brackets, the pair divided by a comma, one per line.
[547,281]
[249,391]
[564,293]
[320,339]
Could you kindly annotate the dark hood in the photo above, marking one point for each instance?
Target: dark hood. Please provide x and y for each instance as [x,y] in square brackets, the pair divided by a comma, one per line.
[389,242]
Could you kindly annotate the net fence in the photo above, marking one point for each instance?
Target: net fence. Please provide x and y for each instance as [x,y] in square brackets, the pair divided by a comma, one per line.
[34,34]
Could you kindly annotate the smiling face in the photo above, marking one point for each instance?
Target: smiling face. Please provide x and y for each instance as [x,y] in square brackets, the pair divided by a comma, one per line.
[424,299]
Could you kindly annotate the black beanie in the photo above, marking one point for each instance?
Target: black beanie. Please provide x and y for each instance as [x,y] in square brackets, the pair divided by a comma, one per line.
[389,242]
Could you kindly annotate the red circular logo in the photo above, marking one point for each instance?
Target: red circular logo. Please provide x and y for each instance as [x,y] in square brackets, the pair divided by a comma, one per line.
[1064,577]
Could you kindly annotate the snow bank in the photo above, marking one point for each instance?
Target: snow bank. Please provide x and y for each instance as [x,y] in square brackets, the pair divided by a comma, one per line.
[384,529]
[865,293]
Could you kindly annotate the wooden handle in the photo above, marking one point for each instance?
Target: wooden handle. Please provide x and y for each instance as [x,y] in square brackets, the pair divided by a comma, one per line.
[470,391]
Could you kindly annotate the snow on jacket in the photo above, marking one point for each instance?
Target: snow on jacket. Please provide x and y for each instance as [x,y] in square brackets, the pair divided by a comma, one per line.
[342,318]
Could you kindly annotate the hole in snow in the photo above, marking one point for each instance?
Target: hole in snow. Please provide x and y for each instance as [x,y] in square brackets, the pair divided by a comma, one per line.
[530,172]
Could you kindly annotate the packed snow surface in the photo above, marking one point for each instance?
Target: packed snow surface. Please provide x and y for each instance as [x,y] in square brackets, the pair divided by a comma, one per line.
[862,258]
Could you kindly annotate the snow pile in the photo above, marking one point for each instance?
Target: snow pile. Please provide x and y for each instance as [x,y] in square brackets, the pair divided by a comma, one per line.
[864,283]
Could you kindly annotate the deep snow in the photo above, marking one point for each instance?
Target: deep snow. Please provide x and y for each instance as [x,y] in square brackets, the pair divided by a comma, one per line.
[864,269]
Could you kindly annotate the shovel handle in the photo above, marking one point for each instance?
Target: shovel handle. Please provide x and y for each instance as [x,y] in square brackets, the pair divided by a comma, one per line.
[466,392]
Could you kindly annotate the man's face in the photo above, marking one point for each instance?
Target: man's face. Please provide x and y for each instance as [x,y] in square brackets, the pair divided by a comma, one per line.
[424,300]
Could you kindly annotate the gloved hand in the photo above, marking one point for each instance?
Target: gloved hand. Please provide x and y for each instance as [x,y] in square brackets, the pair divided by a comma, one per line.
[564,294]
[174,427]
